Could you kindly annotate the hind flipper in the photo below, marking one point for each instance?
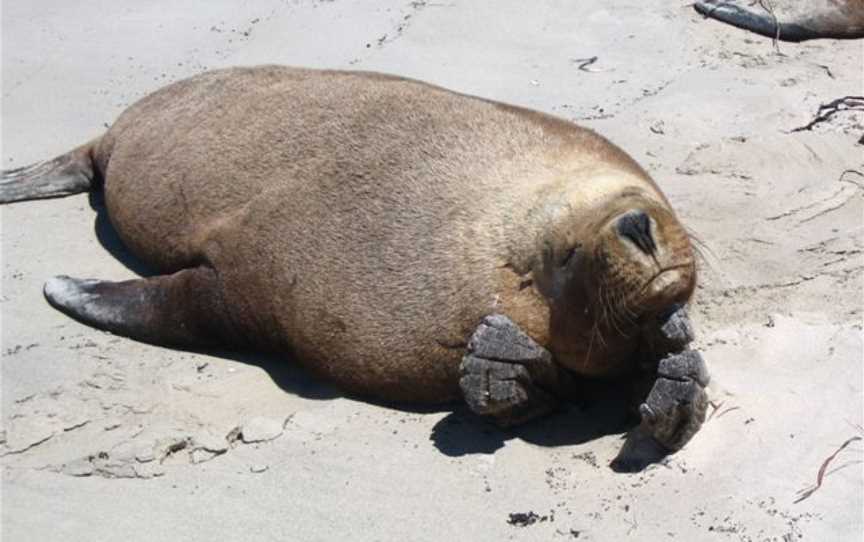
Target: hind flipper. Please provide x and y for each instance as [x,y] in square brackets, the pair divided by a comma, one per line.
[185,309]
[789,21]
[71,173]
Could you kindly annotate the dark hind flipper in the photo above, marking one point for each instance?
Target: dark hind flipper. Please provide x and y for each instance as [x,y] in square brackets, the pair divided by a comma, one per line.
[789,22]
[71,173]
[755,19]
[184,309]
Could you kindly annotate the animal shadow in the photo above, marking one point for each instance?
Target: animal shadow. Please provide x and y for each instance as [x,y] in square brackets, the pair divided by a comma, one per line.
[286,373]
[605,412]
[110,241]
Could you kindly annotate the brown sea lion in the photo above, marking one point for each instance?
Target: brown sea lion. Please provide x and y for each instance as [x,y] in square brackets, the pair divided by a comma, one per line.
[790,20]
[406,242]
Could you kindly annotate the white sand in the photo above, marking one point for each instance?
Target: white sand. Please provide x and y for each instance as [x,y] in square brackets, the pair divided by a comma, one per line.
[706,108]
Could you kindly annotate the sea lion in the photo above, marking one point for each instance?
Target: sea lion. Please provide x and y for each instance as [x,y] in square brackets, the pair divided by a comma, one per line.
[790,20]
[406,242]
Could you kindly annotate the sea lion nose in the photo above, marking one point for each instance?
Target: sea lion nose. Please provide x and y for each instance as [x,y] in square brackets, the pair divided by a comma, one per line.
[636,227]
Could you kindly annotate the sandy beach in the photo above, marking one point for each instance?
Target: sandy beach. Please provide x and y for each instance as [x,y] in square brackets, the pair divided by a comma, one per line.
[104,438]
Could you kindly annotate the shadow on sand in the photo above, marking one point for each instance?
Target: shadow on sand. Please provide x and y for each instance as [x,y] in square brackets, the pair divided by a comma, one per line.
[110,241]
[604,413]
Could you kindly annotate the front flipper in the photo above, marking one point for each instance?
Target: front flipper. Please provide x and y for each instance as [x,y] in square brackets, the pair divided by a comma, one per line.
[184,309]
[671,392]
[675,408]
[506,376]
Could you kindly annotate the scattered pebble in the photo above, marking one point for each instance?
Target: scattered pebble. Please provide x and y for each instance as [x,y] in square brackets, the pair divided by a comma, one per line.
[78,467]
[145,454]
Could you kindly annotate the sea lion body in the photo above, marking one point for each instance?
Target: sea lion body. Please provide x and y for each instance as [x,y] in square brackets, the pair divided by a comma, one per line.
[366,224]
[790,20]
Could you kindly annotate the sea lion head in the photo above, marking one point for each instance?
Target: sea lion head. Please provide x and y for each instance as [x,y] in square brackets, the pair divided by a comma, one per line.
[610,270]
[639,262]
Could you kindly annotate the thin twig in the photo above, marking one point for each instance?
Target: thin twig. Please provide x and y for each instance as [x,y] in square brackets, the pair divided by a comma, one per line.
[827,70]
[826,111]
[730,409]
[844,465]
[859,185]
[583,64]
[769,7]
[715,407]
[805,493]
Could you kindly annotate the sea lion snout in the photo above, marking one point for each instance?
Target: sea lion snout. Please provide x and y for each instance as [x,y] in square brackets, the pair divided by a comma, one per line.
[635,226]
[643,262]
[669,288]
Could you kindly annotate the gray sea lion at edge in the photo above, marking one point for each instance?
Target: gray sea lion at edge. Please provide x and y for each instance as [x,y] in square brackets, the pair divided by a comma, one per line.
[406,242]
[790,20]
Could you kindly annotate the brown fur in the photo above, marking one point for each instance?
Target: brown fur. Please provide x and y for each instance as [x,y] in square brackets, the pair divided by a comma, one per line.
[367,223]
[842,19]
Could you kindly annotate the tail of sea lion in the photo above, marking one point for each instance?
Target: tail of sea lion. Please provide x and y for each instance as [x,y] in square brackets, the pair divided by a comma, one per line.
[185,309]
[70,173]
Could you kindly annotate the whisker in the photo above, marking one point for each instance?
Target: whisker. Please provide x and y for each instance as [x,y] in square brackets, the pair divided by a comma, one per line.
[601,297]
[700,247]
[590,345]
[622,306]
[600,335]
[616,314]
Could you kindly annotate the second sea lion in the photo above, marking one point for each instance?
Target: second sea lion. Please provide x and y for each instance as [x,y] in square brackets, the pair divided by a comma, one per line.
[790,20]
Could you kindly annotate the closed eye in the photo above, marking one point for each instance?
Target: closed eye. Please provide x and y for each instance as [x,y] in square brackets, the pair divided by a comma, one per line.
[570,256]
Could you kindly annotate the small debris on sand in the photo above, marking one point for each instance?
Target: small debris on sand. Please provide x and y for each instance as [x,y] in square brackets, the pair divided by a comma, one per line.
[524,519]
[261,429]
[587,457]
